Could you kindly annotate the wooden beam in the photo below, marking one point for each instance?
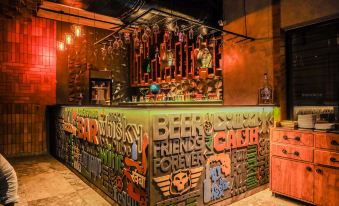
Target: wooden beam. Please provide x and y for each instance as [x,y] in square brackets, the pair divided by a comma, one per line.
[69,14]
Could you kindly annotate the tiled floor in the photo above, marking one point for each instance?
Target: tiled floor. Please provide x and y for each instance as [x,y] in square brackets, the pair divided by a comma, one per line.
[45,181]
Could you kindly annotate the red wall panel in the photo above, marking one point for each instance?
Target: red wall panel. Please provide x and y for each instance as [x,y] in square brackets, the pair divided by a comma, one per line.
[27,83]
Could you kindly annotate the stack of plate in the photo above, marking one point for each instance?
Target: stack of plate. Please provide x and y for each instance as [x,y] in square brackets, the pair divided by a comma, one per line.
[306,121]
[289,124]
[325,126]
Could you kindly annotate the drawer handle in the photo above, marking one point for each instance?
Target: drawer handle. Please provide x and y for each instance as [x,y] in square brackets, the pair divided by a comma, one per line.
[296,153]
[285,137]
[333,159]
[335,143]
[309,169]
[319,171]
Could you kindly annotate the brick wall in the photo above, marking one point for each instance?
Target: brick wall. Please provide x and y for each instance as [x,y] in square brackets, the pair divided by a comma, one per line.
[27,83]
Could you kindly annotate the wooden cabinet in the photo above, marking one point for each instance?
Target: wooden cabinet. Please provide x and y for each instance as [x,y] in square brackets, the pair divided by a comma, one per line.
[326,186]
[293,178]
[304,165]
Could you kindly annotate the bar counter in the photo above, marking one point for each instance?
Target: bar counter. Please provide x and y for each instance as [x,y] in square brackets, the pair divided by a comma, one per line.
[182,155]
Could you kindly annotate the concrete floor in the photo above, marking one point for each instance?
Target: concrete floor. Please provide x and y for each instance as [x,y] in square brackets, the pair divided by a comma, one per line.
[45,181]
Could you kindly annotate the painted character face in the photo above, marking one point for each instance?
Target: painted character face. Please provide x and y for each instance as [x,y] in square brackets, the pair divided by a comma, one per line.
[181,182]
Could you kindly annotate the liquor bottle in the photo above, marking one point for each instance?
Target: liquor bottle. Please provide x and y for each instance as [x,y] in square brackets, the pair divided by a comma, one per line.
[266,92]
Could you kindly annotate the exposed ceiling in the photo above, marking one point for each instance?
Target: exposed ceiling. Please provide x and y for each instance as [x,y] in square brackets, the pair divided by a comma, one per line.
[208,11]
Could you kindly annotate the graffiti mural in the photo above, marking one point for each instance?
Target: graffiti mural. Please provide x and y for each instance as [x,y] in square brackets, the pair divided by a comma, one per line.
[229,149]
[152,156]
[107,149]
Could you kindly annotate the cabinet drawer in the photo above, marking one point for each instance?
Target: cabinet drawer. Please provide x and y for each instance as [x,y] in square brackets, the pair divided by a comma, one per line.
[293,152]
[293,137]
[326,158]
[327,141]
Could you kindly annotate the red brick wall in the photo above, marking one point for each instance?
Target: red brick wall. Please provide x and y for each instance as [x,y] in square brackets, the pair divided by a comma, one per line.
[27,83]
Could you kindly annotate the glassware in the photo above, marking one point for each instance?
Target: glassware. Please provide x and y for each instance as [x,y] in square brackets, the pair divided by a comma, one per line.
[115,44]
[176,29]
[136,42]
[135,34]
[156,52]
[203,30]
[156,29]
[266,92]
[166,35]
[169,36]
[110,47]
[144,37]
[166,89]
[120,42]
[148,31]
[141,48]
[103,51]
[181,37]
[127,38]
[200,37]
[143,92]
[191,33]
[170,57]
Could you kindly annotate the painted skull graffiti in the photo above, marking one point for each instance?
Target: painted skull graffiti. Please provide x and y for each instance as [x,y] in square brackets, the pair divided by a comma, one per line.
[180,181]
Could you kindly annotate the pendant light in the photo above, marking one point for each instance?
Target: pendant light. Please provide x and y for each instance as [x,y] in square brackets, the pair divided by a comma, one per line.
[76,28]
[68,36]
[61,44]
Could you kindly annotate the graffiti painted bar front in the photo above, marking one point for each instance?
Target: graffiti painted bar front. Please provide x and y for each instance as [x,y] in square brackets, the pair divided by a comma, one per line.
[167,155]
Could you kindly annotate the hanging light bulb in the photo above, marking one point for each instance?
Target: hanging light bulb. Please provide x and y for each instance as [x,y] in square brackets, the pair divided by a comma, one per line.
[68,38]
[77,30]
[61,45]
